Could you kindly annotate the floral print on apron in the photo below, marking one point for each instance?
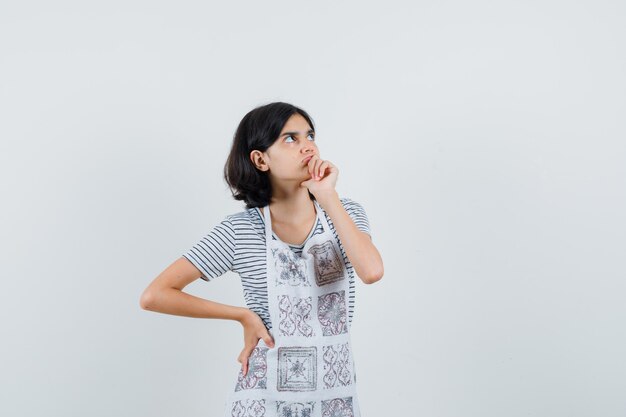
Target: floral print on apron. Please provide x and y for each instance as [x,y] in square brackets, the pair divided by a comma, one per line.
[310,371]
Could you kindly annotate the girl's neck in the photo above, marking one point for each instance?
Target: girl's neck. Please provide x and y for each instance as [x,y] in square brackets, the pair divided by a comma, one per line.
[293,209]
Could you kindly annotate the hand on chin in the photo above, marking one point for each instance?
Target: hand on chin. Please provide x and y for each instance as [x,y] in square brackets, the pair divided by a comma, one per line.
[325,184]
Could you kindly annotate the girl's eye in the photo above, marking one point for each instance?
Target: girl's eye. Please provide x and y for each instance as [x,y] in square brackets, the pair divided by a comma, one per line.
[310,134]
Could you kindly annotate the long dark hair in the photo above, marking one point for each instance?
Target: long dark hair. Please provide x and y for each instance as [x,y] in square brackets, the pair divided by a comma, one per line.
[258,129]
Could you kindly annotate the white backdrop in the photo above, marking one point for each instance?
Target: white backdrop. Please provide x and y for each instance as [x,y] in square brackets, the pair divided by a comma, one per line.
[485,140]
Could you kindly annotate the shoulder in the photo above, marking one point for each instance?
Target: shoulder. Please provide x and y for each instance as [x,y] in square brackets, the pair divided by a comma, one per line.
[232,225]
[242,220]
[356,211]
[351,205]
[347,201]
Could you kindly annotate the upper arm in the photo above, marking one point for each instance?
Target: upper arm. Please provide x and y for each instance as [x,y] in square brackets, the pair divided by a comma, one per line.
[214,254]
[177,275]
[358,215]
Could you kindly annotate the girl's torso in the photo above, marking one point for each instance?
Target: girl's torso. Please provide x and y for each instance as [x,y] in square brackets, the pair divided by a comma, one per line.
[238,244]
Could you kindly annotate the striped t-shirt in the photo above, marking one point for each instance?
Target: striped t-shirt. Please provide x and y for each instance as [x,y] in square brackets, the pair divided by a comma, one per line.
[237,244]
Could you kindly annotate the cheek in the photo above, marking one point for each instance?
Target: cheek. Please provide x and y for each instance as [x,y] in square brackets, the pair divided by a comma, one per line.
[288,167]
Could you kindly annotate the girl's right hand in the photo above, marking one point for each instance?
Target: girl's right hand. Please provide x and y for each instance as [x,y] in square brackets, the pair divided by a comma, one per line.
[253,330]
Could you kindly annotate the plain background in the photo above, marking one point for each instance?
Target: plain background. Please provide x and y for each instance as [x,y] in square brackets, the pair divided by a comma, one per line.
[485,141]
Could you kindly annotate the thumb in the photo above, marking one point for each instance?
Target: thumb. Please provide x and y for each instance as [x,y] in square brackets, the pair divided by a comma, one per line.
[268,340]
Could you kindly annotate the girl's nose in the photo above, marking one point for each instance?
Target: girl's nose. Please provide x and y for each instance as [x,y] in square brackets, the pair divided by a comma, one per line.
[308,147]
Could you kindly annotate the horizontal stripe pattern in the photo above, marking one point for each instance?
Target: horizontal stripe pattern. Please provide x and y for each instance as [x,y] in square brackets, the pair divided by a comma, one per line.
[237,244]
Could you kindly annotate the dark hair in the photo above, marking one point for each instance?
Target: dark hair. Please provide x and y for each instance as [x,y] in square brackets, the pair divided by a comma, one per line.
[258,129]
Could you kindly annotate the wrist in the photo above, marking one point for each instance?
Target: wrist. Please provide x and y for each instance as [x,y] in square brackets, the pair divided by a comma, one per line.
[327,198]
[243,314]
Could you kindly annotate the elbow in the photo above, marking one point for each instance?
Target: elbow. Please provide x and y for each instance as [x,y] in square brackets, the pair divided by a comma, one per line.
[146,301]
[374,276]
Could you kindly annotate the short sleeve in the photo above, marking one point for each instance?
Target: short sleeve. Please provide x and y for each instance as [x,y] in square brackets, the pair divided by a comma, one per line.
[357,213]
[214,254]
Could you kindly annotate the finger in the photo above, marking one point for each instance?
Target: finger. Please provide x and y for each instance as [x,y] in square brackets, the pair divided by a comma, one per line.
[316,169]
[268,340]
[244,366]
[329,168]
[311,166]
[322,168]
[243,359]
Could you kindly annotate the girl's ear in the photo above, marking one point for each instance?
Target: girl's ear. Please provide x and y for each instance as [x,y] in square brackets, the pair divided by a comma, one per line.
[258,160]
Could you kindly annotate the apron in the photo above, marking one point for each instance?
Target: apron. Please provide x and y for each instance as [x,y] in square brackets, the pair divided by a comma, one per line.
[310,370]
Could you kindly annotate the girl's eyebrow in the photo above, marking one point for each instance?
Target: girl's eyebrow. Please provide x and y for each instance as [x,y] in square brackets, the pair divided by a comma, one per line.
[296,133]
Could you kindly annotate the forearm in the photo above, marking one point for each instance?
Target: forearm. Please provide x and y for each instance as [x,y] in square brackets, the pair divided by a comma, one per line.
[179,303]
[358,246]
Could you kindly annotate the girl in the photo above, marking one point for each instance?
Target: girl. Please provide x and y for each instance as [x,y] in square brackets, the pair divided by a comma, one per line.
[296,248]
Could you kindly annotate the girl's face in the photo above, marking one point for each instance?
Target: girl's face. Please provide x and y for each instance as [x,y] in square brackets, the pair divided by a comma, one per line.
[287,158]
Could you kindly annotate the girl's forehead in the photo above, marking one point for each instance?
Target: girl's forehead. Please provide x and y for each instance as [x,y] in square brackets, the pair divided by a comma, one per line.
[297,124]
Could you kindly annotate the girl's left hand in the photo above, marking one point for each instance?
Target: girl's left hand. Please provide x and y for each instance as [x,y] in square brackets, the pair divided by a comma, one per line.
[323,177]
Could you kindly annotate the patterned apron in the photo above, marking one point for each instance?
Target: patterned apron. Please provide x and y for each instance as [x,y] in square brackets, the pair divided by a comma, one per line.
[310,371]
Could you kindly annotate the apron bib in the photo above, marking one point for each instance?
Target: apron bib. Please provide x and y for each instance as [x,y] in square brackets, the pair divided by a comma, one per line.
[310,370]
